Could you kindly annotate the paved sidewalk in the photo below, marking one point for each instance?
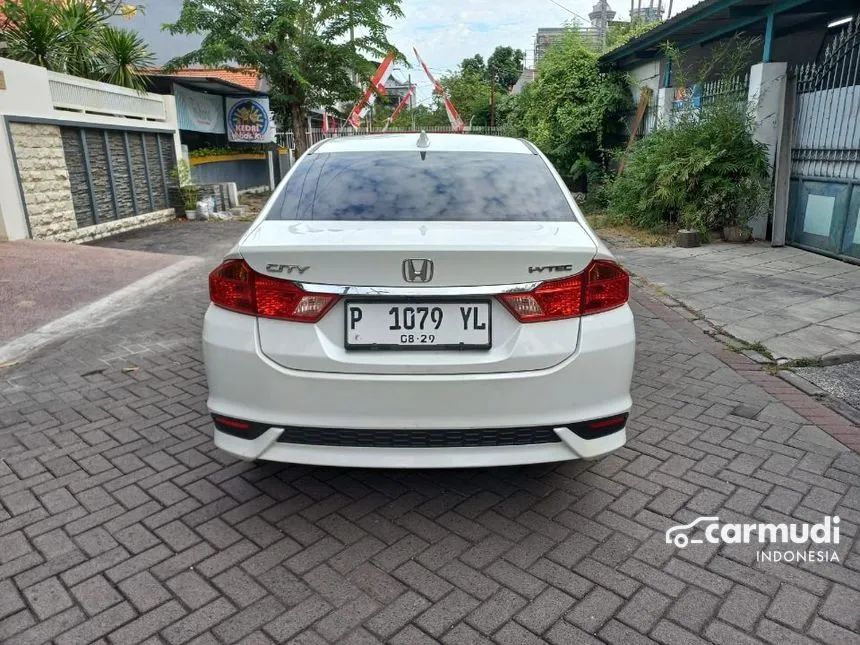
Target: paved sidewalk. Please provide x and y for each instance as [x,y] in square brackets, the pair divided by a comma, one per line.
[119,520]
[42,281]
[798,304]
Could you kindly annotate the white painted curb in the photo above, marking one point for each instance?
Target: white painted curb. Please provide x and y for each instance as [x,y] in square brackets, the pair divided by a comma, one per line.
[97,313]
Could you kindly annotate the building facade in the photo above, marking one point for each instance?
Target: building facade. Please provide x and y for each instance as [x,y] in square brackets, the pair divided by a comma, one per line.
[800,82]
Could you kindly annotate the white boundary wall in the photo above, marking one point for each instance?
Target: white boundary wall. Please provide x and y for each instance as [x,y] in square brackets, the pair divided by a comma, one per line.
[35,95]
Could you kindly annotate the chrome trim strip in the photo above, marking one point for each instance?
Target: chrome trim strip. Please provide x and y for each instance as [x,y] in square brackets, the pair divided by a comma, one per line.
[419,291]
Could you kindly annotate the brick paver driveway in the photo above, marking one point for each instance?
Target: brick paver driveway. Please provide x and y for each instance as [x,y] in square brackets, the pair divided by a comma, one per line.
[120,521]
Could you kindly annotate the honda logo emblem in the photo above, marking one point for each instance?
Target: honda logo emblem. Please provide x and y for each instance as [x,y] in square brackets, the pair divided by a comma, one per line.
[417,270]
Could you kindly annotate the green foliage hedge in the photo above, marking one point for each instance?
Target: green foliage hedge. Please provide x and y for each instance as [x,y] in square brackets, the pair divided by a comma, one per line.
[703,172]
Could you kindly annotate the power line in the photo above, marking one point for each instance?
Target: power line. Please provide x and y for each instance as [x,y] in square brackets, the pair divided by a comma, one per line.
[573,13]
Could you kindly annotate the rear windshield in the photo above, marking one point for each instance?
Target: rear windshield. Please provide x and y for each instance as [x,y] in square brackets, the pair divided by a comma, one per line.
[453,186]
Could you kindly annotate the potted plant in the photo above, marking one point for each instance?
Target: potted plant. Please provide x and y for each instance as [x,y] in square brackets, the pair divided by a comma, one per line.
[187,188]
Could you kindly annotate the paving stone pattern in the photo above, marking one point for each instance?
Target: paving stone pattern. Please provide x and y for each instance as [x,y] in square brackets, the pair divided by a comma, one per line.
[121,523]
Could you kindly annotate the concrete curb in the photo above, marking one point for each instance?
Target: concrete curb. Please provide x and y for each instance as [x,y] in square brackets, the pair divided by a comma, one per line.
[96,313]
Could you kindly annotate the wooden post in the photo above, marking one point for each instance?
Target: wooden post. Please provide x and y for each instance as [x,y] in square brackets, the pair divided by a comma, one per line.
[644,100]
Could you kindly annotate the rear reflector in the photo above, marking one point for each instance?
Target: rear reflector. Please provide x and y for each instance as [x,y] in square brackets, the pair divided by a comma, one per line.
[237,287]
[231,423]
[602,286]
[608,423]
[238,427]
[599,427]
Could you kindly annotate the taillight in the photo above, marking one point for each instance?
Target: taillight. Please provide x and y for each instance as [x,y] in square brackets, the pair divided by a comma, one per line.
[232,287]
[607,286]
[602,286]
[237,287]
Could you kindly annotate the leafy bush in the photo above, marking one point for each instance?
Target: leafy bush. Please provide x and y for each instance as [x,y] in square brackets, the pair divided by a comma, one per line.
[704,172]
[572,111]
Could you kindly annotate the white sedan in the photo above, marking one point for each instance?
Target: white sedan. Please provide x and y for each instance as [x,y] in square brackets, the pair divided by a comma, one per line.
[419,301]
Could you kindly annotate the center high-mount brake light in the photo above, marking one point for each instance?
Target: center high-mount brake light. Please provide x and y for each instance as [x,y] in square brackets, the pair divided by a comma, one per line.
[236,286]
[602,286]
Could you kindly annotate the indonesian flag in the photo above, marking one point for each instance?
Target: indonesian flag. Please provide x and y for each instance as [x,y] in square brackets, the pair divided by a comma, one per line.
[401,105]
[377,86]
[456,122]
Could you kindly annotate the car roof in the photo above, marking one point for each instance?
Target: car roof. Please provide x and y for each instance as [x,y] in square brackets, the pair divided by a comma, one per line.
[437,142]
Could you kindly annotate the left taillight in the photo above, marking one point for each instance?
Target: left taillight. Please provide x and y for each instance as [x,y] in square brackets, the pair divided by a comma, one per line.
[604,285]
[236,286]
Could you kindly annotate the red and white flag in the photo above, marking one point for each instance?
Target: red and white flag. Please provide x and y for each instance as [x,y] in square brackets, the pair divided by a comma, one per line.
[456,122]
[325,127]
[401,105]
[377,86]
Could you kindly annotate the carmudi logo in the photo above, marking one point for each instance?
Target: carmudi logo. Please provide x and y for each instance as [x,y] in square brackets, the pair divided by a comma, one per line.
[822,535]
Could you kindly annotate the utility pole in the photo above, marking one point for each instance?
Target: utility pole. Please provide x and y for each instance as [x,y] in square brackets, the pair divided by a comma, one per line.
[493,101]
[352,43]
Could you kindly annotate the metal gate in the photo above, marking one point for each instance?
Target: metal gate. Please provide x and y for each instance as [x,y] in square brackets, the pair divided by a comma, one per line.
[824,198]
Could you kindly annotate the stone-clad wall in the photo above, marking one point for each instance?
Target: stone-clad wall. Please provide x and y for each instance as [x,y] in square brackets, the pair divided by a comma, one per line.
[116,226]
[44,179]
[56,193]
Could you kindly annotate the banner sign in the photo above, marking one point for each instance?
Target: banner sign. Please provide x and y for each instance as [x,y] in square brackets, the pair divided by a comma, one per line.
[199,112]
[249,120]
[688,97]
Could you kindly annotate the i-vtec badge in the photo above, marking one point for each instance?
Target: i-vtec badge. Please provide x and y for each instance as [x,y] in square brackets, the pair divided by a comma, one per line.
[549,268]
[286,268]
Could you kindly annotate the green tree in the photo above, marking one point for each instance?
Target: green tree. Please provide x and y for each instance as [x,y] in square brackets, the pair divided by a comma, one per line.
[573,111]
[304,48]
[74,37]
[470,94]
[474,66]
[121,54]
[507,64]
[425,117]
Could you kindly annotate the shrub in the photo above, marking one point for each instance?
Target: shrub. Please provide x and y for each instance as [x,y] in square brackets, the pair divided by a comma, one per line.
[704,172]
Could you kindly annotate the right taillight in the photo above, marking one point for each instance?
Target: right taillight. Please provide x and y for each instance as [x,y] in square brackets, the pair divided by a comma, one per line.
[602,286]
[236,286]
[607,286]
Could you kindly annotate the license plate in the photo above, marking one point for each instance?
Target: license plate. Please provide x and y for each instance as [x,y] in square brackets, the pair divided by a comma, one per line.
[418,324]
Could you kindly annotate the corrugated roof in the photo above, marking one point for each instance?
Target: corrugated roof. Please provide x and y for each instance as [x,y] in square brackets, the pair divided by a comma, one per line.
[711,20]
[246,77]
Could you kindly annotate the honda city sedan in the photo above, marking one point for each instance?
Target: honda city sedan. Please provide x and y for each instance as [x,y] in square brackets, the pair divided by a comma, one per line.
[427,301]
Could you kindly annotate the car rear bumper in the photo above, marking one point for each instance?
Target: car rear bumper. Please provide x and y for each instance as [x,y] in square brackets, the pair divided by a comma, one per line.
[593,383]
[267,447]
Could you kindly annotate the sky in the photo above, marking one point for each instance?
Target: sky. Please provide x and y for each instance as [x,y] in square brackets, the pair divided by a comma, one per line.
[444,31]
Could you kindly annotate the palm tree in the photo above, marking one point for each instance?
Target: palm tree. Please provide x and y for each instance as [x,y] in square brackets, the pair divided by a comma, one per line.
[32,33]
[78,23]
[121,55]
[73,36]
